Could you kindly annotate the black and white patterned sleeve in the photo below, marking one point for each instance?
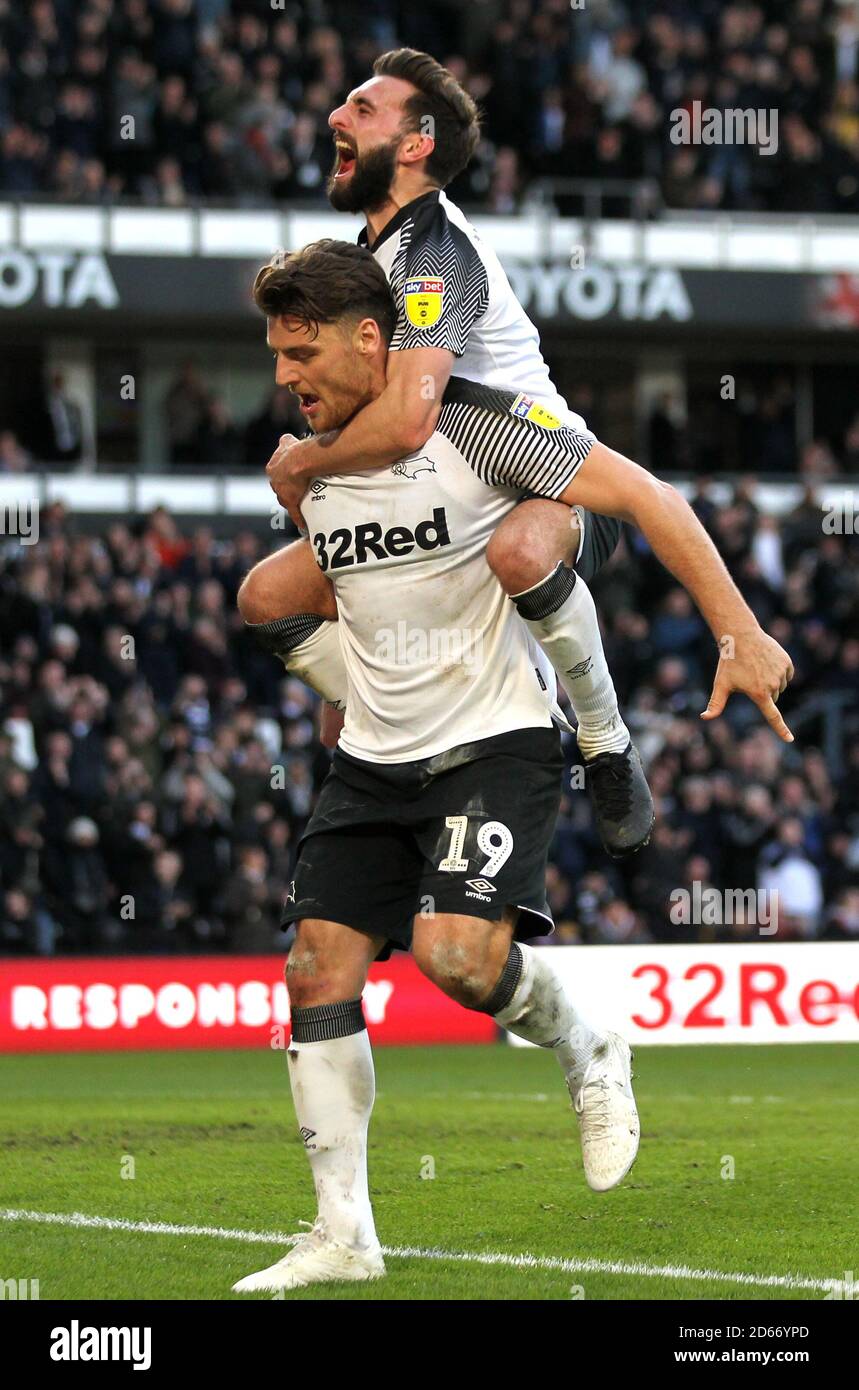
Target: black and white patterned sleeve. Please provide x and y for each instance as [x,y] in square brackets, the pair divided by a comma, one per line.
[510,440]
[439,283]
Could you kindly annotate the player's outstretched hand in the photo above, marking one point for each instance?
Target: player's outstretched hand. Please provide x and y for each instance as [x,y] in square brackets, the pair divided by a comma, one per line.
[287,486]
[755,665]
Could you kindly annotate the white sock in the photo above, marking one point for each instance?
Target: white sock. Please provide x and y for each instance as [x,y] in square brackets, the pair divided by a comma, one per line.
[541,1011]
[316,659]
[333,1089]
[570,636]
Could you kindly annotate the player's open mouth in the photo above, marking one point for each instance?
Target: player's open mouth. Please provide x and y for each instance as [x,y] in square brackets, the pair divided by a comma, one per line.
[308,403]
[345,159]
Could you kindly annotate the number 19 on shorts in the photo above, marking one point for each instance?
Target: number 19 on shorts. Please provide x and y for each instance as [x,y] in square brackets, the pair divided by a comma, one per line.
[494,839]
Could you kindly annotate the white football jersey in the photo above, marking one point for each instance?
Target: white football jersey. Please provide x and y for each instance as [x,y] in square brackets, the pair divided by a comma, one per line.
[436,655]
[451,291]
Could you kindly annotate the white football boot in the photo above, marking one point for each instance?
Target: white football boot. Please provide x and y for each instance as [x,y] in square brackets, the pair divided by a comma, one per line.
[608,1119]
[315,1259]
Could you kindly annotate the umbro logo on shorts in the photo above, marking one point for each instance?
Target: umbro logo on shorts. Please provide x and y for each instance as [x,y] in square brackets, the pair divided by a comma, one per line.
[355,547]
[306,1136]
[481,889]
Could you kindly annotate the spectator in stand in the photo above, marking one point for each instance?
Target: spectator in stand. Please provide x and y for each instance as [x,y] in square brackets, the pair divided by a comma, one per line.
[77,887]
[789,875]
[63,425]
[186,412]
[13,458]
[220,441]
[280,414]
[163,536]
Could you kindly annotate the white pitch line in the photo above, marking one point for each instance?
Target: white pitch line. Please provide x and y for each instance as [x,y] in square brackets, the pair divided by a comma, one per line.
[416,1252]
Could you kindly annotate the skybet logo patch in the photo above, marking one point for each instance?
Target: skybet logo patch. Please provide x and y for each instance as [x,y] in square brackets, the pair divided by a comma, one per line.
[424,302]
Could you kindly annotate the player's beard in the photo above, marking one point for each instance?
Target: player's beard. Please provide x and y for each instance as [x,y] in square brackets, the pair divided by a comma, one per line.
[369,184]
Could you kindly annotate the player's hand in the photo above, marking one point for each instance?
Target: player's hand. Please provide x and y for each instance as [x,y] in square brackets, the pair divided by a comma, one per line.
[755,665]
[288,476]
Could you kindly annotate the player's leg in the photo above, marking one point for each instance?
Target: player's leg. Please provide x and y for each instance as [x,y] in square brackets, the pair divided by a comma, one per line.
[331,1071]
[290,609]
[355,890]
[533,553]
[477,963]
[333,1089]
[485,847]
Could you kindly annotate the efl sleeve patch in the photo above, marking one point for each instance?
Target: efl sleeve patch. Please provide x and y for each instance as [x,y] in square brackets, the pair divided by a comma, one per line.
[424,302]
[529,409]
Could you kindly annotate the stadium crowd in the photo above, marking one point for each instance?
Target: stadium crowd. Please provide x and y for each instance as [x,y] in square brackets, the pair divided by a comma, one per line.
[228,99]
[156,768]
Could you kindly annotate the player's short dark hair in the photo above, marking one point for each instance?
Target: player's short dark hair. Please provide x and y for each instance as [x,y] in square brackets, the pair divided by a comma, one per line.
[455,115]
[325,282]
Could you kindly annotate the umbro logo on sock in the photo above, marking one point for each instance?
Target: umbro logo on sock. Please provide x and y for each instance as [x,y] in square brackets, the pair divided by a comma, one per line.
[581,668]
[306,1136]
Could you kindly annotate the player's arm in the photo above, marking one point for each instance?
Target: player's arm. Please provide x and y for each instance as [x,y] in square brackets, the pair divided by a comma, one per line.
[442,292]
[750,661]
[391,427]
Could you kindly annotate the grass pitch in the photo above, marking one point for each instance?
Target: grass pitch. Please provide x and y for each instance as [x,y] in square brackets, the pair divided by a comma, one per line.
[745,1169]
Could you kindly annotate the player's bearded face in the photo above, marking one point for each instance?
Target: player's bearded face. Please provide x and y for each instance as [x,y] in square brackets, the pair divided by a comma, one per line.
[362,183]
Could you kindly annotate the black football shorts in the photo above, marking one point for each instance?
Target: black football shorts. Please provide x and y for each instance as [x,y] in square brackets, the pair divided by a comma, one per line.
[465,832]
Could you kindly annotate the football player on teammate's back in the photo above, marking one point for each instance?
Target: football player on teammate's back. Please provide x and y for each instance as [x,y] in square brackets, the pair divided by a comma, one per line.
[400,138]
[433,826]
